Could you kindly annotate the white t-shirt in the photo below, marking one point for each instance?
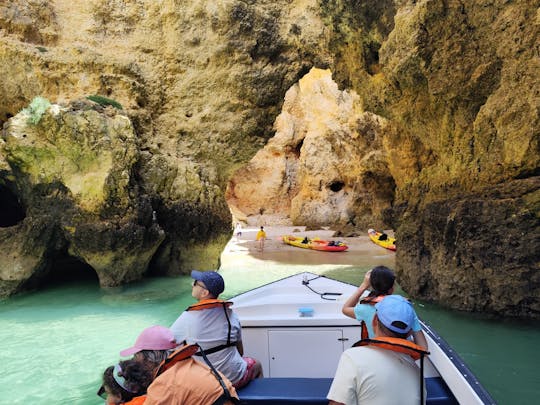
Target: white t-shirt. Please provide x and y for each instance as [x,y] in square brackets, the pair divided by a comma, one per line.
[370,375]
[209,328]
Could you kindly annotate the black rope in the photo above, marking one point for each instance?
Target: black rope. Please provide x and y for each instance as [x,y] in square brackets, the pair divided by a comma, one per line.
[322,295]
[421,379]
[218,376]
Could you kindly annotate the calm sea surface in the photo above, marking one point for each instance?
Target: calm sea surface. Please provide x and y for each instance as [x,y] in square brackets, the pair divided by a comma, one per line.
[57,342]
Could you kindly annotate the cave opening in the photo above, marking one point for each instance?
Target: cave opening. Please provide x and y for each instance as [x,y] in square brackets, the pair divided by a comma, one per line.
[336,186]
[67,269]
[11,210]
[298,148]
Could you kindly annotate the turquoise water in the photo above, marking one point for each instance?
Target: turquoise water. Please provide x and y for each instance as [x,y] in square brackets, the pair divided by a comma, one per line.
[57,342]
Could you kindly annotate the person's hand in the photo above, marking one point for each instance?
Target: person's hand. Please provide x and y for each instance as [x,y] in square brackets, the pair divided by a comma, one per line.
[365,283]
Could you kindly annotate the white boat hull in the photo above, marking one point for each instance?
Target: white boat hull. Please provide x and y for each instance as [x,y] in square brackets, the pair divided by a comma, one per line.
[295,327]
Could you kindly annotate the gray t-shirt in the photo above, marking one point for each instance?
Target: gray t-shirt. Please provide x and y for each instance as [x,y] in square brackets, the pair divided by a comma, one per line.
[209,328]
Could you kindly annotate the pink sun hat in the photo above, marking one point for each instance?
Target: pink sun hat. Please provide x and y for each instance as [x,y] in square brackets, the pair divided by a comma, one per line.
[153,338]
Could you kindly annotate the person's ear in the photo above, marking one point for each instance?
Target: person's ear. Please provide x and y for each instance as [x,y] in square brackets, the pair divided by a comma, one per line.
[391,291]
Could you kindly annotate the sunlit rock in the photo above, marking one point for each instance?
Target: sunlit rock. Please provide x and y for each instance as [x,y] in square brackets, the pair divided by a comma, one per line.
[435,108]
[324,166]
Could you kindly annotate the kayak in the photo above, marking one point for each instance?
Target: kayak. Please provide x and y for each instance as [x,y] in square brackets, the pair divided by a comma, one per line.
[387,243]
[315,244]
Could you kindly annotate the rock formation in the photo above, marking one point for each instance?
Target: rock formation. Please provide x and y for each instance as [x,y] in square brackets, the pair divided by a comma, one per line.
[432,129]
[324,166]
[72,168]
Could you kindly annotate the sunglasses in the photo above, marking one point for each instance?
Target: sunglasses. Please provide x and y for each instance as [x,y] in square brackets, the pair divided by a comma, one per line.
[102,393]
[196,282]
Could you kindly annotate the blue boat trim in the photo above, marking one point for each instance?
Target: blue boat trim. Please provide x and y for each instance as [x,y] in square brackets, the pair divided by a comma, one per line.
[458,362]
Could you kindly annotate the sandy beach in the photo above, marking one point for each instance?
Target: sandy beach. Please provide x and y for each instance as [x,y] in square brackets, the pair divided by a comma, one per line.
[241,258]
[247,244]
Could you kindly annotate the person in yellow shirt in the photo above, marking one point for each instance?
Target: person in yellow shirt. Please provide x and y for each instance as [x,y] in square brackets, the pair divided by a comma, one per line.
[261,236]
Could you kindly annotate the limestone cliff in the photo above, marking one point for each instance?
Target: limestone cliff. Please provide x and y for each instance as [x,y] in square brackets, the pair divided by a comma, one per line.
[324,166]
[432,129]
[72,168]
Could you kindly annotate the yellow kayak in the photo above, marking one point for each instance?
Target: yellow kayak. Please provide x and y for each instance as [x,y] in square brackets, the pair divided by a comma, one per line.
[315,244]
[382,239]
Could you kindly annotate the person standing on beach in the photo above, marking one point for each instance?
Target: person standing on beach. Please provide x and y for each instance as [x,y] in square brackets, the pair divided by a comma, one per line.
[261,236]
[238,230]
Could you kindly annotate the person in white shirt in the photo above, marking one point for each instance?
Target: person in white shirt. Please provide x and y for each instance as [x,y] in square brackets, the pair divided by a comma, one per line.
[378,373]
[216,328]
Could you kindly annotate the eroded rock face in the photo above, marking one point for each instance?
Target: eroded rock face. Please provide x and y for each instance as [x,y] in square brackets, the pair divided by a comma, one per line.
[441,97]
[201,82]
[325,165]
[460,84]
[72,168]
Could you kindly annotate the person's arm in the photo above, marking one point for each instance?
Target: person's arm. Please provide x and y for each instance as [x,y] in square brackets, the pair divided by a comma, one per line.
[418,334]
[335,403]
[348,306]
[420,339]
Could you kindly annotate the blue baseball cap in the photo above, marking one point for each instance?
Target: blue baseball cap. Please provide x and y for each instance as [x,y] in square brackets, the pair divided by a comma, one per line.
[212,280]
[396,313]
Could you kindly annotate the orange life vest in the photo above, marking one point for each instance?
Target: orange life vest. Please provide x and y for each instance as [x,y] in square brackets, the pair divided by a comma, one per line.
[136,401]
[400,346]
[396,345]
[369,301]
[214,303]
[183,353]
[209,303]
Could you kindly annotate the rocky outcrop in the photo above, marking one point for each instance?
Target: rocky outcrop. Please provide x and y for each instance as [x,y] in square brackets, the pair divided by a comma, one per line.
[460,145]
[201,82]
[433,126]
[325,165]
[72,168]
[459,258]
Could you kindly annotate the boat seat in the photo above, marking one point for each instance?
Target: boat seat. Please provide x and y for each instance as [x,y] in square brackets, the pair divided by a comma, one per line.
[285,391]
[266,391]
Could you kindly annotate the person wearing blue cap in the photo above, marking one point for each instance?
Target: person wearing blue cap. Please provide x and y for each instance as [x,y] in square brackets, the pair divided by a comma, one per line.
[382,370]
[216,328]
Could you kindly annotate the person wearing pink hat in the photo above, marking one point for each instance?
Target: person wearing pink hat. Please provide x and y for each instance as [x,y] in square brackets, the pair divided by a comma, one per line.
[179,379]
[153,338]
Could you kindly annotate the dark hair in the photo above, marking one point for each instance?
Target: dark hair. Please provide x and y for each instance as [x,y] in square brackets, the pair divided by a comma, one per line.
[391,333]
[381,280]
[137,379]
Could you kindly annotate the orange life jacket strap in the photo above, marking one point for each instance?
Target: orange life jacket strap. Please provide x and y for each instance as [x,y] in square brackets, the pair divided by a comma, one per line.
[396,345]
[364,334]
[372,300]
[369,301]
[209,303]
[183,353]
[215,303]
